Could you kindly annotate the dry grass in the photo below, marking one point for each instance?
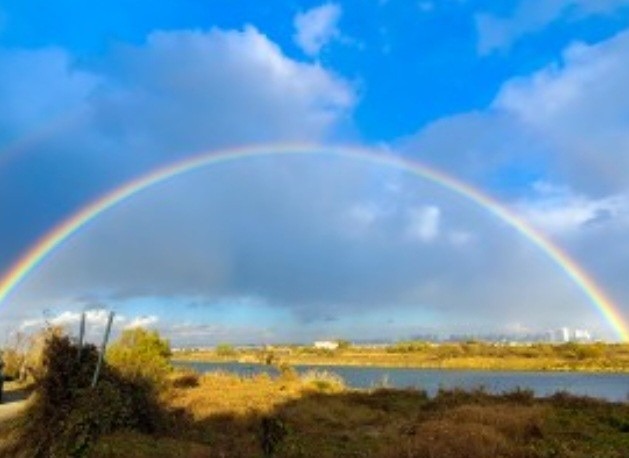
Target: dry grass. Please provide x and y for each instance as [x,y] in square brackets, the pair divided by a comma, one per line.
[222,393]
[229,411]
[324,381]
[474,431]
[232,416]
[133,445]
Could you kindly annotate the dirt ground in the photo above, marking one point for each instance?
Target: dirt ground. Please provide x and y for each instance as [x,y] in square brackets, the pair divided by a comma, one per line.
[14,399]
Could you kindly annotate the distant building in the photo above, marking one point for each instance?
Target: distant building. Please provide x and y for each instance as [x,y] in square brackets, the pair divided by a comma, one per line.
[582,335]
[564,335]
[326,345]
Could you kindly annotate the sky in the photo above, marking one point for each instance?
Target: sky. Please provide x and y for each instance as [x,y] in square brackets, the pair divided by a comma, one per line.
[525,101]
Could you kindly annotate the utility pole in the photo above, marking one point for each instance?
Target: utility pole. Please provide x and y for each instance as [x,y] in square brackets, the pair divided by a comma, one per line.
[102,349]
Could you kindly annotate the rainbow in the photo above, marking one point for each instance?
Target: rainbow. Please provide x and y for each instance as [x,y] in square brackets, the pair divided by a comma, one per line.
[61,233]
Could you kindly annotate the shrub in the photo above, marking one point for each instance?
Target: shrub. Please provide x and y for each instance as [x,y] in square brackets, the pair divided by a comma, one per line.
[11,362]
[13,356]
[67,415]
[519,395]
[323,381]
[185,378]
[288,373]
[272,432]
[140,354]
[225,350]
[458,396]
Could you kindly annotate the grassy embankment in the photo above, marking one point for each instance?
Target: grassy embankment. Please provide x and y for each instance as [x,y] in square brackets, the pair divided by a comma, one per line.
[237,417]
[140,408]
[595,357]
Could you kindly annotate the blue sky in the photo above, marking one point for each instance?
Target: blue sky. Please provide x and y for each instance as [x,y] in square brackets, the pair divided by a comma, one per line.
[525,100]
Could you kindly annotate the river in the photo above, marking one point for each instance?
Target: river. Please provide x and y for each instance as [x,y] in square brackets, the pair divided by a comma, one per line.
[613,387]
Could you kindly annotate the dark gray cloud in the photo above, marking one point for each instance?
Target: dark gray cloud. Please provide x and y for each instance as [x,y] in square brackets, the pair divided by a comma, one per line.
[284,230]
[76,130]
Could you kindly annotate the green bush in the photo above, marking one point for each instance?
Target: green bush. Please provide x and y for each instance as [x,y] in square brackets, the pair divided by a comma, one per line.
[140,354]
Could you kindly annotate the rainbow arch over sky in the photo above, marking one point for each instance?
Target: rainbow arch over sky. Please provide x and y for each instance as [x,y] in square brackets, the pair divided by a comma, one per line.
[54,239]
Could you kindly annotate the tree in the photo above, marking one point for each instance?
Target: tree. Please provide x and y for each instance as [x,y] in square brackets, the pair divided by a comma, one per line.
[140,354]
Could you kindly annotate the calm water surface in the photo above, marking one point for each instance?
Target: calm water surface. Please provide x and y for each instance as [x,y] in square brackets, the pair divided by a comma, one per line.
[614,387]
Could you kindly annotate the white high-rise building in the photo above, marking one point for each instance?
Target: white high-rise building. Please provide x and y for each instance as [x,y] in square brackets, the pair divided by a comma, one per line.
[565,334]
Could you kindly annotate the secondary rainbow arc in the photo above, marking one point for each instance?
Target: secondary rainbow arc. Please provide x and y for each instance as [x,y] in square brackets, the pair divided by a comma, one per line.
[34,256]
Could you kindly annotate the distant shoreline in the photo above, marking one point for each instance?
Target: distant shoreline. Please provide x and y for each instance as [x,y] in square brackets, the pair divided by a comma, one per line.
[601,359]
[381,365]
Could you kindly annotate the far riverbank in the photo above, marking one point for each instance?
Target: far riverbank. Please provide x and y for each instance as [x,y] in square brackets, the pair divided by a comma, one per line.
[595,358]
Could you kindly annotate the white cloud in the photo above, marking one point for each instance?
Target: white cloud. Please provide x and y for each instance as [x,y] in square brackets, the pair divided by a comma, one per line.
[94,318]
[567,122]
[424,223]
[31,323]
[361,217]
[189,90]
[317,27]
[530,16]
[559,211]
[580,110]
[142,322]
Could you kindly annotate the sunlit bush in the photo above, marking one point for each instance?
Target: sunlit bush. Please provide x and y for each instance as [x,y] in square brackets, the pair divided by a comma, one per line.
[141,354]
[325,381]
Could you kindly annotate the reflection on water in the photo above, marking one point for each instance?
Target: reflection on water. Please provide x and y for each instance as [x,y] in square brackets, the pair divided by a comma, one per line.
[614,387]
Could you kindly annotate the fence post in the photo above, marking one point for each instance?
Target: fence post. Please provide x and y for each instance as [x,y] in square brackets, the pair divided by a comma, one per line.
[81,334]
[102,349]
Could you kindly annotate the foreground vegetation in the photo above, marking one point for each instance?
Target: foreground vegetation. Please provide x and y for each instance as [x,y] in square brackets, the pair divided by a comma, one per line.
[143,408]
[594,357]
[238,417]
